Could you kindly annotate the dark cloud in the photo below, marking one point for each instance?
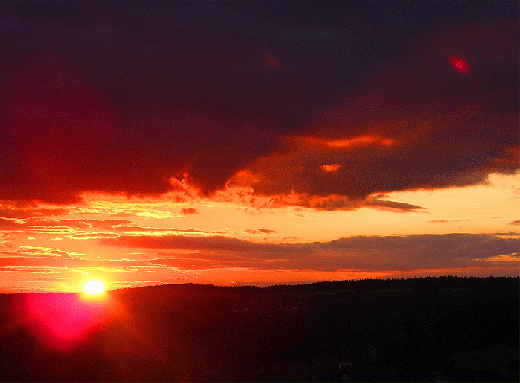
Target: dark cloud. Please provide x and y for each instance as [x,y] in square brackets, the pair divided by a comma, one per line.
[392,205]
[123,97]
[516,222]
[329,203]
[362,252]
[417,123]
[339,203]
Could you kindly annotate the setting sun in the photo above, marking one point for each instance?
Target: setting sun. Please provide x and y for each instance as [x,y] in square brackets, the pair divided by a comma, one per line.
[93,288]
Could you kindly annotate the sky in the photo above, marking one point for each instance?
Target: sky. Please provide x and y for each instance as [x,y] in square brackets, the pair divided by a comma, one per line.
[257,142]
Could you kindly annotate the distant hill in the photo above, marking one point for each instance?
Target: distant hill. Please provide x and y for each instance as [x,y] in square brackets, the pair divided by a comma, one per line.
[420,329]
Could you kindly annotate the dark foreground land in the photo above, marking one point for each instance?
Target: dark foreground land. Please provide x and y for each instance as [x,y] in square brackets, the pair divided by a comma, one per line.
[425,329]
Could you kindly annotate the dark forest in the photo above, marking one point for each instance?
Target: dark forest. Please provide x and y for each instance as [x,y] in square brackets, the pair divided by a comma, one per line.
[421,329]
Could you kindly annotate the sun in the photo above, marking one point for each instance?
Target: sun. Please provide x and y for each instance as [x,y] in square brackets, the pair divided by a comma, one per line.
[94,291]
[93,288]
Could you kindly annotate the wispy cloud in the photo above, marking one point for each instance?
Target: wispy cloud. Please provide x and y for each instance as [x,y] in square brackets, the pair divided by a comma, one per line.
[259,231]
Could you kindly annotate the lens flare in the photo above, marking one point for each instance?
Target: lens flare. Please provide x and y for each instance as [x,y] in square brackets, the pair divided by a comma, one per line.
[460,64]
[62,321]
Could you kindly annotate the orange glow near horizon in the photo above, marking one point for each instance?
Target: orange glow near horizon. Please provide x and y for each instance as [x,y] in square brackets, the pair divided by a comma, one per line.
[60,248]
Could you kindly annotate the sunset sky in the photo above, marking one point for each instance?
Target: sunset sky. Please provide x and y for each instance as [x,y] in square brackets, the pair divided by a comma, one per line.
[257,142]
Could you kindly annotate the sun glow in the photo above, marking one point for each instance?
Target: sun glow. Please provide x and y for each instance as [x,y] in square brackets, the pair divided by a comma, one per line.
[93,288]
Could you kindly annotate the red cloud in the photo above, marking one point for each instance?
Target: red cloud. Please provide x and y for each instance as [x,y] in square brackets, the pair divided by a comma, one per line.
[189,210]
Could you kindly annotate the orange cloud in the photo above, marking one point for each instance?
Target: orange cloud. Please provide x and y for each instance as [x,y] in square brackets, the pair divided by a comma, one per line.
[361,140]
[330,168]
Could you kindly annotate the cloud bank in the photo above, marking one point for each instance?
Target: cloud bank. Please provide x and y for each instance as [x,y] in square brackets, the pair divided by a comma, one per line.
[350,100]
[394,253]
